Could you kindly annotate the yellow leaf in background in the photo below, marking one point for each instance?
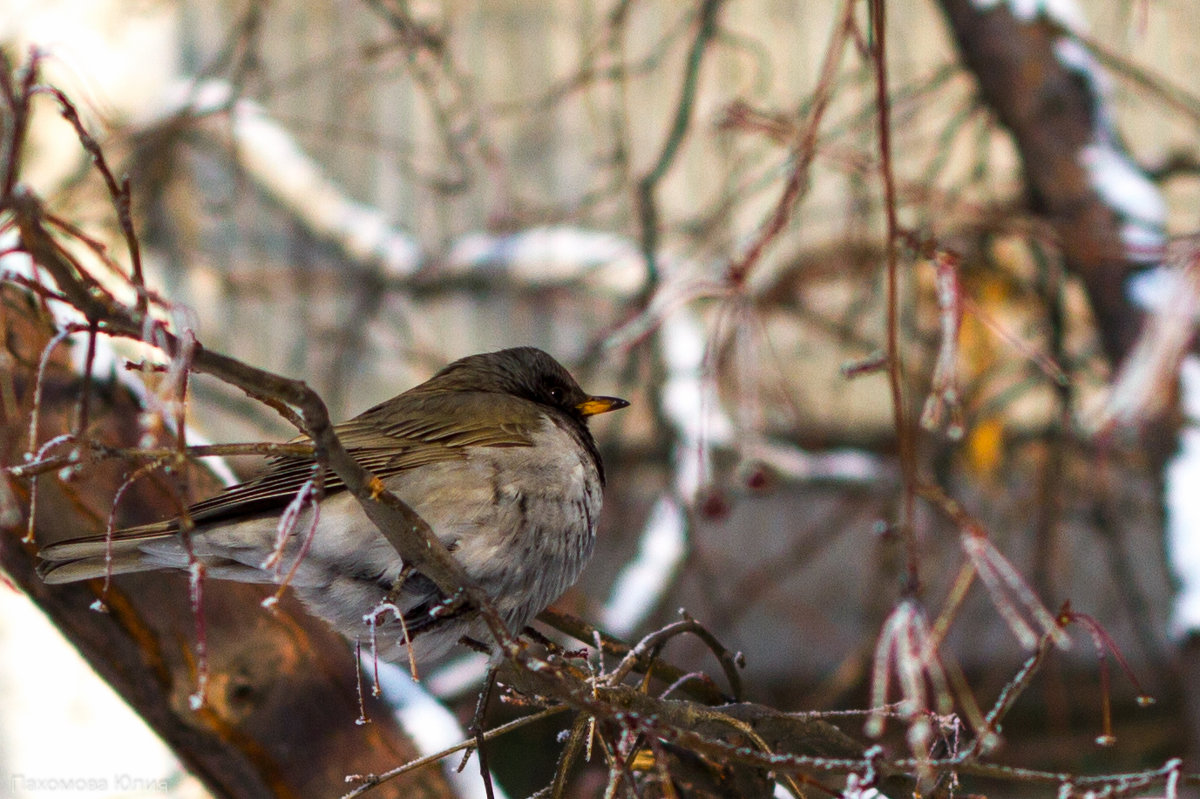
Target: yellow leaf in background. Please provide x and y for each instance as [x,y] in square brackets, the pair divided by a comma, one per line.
[985,445]
[977,344]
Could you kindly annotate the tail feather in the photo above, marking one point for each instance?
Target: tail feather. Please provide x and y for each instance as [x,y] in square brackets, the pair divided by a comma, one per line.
[98,545]
[92,556]
[153,547]
[70,571]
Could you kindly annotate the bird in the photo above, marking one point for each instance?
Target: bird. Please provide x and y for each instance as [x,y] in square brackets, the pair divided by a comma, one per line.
[493,452]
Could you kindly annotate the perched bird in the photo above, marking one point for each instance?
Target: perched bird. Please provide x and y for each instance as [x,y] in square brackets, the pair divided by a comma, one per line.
[493,452]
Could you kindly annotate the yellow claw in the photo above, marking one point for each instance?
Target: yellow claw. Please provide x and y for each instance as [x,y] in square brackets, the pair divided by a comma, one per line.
[376,487]
[642,761]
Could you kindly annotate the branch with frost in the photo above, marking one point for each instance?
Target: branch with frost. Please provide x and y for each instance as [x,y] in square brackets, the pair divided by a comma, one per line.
[748,739]
[436,727]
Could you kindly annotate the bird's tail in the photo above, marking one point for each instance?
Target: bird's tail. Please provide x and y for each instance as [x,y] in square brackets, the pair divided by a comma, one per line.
[145,548]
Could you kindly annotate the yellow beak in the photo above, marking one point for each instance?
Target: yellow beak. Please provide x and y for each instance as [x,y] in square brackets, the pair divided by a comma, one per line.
[594,405]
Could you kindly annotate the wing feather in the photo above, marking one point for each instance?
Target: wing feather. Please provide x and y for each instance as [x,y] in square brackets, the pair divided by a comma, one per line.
[413,430]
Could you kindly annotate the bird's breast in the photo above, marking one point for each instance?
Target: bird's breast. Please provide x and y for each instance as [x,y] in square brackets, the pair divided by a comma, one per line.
[535,515]
[521,520]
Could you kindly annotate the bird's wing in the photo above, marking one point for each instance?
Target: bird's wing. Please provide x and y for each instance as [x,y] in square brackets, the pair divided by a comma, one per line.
[415,429]
[412,430]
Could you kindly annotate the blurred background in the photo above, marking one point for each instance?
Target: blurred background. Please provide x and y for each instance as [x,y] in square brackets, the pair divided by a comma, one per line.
[357,192]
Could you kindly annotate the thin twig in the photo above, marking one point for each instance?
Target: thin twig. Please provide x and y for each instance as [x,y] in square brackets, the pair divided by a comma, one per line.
[907,455]
[119,191]
[803,151]
[369,781]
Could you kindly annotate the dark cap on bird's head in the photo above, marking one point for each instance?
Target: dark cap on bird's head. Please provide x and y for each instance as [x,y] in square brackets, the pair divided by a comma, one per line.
[525,372]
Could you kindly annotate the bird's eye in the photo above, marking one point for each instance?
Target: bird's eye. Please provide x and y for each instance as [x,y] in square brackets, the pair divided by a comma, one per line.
[557,393]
